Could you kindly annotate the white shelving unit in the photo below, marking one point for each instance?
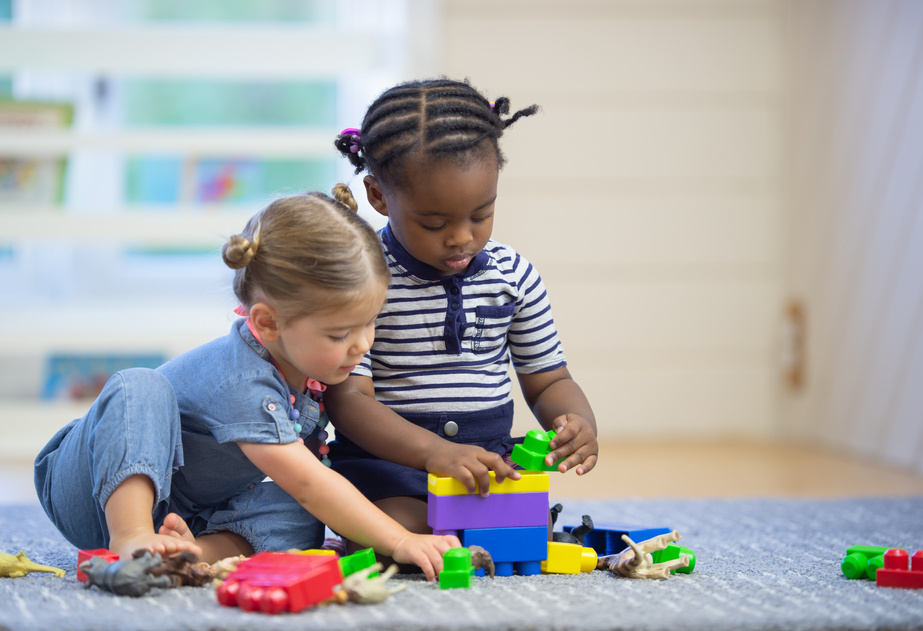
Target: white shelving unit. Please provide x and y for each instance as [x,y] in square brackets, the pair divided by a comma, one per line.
[370,46]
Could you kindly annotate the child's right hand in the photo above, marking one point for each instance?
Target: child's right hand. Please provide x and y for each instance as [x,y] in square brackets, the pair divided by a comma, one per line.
[425,551]
[470,465]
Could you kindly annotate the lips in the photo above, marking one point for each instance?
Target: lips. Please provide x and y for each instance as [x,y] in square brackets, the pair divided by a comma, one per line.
[459,261]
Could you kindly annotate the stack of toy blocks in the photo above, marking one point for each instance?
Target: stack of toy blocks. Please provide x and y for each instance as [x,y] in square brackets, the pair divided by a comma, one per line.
[511,523]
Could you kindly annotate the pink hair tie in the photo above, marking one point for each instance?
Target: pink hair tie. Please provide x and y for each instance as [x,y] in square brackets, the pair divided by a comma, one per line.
[353,134]
[241,311]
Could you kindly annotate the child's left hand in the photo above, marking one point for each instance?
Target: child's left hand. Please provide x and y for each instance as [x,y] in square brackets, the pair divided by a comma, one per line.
[576,440]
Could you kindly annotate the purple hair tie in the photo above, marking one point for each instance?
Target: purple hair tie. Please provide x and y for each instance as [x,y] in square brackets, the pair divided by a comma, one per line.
[353,134]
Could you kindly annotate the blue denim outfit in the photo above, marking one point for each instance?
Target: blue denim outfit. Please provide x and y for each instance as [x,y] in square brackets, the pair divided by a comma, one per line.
[180,425]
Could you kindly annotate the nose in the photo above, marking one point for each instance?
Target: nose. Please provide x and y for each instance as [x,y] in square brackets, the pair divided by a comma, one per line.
[363,342]
[460,235]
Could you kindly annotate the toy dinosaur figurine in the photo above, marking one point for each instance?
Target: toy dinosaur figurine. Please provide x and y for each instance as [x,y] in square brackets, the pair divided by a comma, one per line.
[128,577]
[15,566]
[635,561]
[481,560]
[361,589]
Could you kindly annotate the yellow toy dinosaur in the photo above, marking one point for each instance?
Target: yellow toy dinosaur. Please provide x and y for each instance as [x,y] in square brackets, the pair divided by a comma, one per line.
[20,565]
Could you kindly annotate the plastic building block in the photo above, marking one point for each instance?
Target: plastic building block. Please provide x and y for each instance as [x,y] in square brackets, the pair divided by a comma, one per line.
[521,549]
[863,561]
[606,539]
[530,482]
[273,582]
[358,561]
[86,555]
[531,453]
[569,558]
[457,569]
[671,553]
[899,570]
[498,510]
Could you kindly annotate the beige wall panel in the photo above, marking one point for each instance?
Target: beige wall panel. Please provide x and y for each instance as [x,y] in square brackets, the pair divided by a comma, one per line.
[712,317]
[643,237]
[735,400]
[611,46]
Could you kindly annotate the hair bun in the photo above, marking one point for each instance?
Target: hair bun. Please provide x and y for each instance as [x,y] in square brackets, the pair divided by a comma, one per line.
[240,250]
[342,194]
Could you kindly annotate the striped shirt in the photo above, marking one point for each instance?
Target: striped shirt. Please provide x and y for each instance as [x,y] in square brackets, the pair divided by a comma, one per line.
[446,342]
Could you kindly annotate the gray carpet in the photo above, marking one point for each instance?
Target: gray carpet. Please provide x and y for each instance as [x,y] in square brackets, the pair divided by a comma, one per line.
[769,564]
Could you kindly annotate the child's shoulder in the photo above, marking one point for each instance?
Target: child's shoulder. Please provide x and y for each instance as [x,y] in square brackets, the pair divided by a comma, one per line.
[506,258]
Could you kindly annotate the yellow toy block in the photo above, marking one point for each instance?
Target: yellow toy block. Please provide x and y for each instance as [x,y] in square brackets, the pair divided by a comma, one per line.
[530,482]
[568,558]
[315,552]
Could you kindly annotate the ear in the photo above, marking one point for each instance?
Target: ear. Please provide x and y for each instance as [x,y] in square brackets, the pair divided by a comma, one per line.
[266,321]
[376,195]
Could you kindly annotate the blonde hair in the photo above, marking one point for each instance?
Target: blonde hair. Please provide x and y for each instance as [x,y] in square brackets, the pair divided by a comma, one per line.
[306,253]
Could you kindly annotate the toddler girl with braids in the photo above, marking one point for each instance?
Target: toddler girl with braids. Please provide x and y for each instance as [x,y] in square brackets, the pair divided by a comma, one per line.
[433,394]
[175,458]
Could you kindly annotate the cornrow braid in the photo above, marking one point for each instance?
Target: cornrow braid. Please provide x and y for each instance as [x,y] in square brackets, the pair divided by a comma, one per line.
[438,118]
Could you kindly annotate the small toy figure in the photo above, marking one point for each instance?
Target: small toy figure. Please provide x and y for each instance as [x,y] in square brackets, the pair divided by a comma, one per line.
[127,577]
[636,562]
[576,535]
[481,560]
[363,590]
[185,568]
[15,566]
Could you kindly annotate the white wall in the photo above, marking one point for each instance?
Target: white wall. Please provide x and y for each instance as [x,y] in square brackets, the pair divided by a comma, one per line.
[648,193]
[856,255]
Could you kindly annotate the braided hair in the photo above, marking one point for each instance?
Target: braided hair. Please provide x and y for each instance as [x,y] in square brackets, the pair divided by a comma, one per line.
[436,118]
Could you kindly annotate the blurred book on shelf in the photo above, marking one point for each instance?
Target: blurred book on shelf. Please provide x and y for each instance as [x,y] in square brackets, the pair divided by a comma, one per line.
[30,179]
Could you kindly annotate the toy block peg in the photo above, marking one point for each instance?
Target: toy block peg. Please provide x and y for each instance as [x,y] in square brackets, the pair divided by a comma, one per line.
[457,569]
[862,561]
[533,450]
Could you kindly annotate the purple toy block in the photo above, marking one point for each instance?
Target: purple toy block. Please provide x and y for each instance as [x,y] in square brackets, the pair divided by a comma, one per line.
[497,510]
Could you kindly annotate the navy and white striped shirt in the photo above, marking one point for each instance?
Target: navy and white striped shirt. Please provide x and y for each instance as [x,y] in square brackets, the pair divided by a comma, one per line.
[445,342]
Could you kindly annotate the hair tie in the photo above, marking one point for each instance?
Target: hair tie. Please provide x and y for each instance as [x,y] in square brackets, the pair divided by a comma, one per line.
[353,134]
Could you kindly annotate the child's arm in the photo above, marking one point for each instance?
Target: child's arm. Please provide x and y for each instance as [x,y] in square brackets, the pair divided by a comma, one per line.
[559,404]
[335,502]
[376,428]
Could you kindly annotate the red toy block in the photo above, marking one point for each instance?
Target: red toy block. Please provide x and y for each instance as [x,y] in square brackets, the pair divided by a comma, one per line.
[273,582]
[900,570]
[86,555]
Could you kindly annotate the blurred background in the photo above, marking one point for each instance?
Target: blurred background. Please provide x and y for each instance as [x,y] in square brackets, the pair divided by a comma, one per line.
[724,197]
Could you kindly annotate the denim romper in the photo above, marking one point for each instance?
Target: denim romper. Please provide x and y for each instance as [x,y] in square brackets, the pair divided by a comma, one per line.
[180,425]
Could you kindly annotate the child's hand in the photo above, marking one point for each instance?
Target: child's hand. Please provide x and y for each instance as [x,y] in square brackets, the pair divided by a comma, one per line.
[576,440]
[425,551]
[470,465]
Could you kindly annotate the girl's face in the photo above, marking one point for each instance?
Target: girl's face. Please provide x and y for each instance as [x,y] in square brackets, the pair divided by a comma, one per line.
[444,215]
[327,345]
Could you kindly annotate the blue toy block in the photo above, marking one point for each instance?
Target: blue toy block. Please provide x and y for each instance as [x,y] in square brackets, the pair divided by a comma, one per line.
[522,549]
[606,539]
[498,510]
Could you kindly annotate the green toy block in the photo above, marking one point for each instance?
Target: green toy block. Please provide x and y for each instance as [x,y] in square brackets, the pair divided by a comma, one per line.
[360,560]
[671,553]
[457,569]
[531,453]
[863,561]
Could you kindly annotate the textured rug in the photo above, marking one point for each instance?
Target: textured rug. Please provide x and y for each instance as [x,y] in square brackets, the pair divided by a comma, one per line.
[766,564]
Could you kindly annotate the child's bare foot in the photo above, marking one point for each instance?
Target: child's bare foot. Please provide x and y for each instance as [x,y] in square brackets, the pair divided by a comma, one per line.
[162,543]
[175,526]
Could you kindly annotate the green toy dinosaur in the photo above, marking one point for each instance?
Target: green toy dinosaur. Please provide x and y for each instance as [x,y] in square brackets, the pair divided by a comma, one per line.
[20,565]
